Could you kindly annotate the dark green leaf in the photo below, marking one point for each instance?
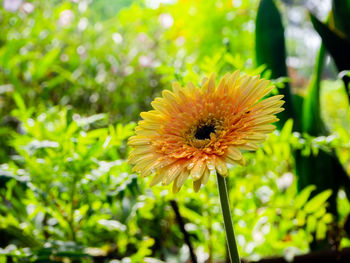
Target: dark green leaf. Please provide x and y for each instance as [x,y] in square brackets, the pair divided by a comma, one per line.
[341,14]
[311,117]
[337,46]
[270,49]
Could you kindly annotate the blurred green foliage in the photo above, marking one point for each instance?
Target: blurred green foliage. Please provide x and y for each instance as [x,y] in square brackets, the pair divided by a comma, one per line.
[74,76]
[270,51]
[323,170]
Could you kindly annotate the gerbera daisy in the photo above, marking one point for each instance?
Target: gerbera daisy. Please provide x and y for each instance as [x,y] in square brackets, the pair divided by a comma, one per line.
[194,132]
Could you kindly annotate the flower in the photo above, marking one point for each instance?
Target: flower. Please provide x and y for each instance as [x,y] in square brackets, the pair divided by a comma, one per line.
[195,132]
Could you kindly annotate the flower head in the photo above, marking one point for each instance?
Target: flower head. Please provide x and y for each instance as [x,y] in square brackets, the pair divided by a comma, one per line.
[194,132]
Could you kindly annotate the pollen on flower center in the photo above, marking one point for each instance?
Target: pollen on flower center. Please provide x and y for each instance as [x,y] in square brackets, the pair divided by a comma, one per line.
[203,132]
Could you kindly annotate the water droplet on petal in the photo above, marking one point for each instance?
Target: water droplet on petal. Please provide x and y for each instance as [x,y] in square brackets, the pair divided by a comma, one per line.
[211,167]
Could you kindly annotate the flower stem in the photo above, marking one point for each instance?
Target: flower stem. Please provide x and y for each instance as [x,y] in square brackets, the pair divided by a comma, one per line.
[226,213]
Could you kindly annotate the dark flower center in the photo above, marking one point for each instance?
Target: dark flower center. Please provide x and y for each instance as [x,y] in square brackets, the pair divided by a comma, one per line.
[203,132]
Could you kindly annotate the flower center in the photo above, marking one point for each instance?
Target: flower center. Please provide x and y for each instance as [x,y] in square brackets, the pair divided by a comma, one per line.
[203,132]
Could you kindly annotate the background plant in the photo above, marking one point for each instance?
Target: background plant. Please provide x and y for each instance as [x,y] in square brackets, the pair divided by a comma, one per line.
[74,77]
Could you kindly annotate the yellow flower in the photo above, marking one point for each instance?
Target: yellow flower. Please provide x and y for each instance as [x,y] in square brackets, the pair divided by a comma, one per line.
[196,132]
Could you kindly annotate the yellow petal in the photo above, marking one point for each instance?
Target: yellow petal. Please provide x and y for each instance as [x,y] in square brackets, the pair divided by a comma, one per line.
[275,103]
[267,128]
[145,132]
[256,136]
[170,97]
[221,167]
[175,188]
[209,86]
[149,125]
[264,119]
[141,158]
[211,163]
[235,162]
[176,87]
[151,168]
[140,151]
[197,185]
[204,81]
[180,180]
[233,80]
[234,153]
[160,106]
[222,84]
[248,146]
[197,171]
[270,111]
[172,172]
[205,176]
[156,179]
[138,140]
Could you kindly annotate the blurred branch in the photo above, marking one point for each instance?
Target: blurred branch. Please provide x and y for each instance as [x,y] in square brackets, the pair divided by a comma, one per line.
[181,223]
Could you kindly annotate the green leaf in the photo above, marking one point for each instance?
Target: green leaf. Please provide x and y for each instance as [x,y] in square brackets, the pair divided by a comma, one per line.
[318,169]
[287,130]
[301,218]
[19,102]
[323,170]
[315,203]
[320,212]
[304,195]
[336,45]
[327,218]
[321,231]
[270,45]
[311,223]
[311,117]
[270,50]
[341,14]
[45,63]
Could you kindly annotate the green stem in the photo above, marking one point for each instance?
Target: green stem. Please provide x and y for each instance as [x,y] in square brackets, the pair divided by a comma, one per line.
[226,213]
